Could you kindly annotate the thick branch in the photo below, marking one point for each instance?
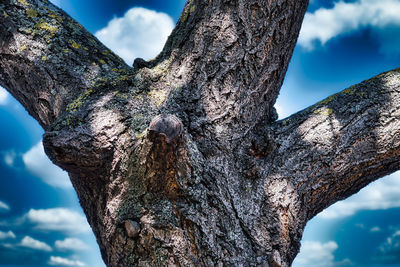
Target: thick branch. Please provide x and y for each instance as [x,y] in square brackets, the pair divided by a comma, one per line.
[336,147]
[230,57]
[47,60]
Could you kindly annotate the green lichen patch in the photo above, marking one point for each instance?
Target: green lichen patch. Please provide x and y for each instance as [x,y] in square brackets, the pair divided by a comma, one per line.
[55,16]
[31,13]
[350,91]
[43,25]
[328,99]
[23,2]
[48,38]
[106,52]
[22,48]
[323,111]
[74,44]
[44,58]
[71,121]
[141,134]
[26,30]
[158,96]
[161,68]
[121,95]
[286,122]
[190,9]
[354,90]
[80,100]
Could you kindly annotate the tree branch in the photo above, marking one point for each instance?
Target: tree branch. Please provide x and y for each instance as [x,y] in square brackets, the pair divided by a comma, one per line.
[48,60]
[230,58]
[334,148]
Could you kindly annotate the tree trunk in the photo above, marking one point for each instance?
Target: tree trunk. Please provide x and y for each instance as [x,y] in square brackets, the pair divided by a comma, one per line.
[179,161]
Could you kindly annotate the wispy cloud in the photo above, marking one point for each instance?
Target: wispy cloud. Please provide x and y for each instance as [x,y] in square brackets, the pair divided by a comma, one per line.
[59,261]
[38,164]
[4,206]
[379,195]
[139,33]
[326,24]
[375,229]
[9,157]
[71,244]
[31,243]
[58,219]
[389,250]
[7,235]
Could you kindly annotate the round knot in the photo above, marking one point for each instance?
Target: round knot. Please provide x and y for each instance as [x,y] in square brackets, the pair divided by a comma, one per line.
[166,125]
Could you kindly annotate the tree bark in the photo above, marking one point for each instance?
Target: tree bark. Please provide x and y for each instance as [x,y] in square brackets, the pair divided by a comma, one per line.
[179,161]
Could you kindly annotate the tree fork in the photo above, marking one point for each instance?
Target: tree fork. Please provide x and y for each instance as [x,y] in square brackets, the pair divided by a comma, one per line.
[179,161]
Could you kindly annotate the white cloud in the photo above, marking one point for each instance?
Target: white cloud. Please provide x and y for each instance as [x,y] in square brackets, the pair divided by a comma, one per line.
[71,244]
[316,254]
[6,235]
[379,195]
[139,33]
[58,261]
[389,250]
[58,219]
[29,242]
[392,242]
[9,157]
[325,24]
[4,95]
[4,206]
[38,164]
[375,229]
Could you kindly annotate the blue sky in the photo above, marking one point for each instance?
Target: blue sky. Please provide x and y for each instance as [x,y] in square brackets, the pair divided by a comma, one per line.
[341,43]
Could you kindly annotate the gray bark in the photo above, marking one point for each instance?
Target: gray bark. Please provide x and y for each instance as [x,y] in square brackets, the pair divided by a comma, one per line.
[179,161]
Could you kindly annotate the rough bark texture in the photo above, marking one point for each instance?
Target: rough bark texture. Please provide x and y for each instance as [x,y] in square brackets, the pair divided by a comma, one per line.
[179,161]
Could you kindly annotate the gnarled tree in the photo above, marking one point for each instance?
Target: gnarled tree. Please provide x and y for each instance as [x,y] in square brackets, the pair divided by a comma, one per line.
[180,160]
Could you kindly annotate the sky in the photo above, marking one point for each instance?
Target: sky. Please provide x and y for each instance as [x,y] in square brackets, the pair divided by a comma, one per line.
[341,43]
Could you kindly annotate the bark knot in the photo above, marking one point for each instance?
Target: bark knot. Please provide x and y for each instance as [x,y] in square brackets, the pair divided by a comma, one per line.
[167,126]
[132,228]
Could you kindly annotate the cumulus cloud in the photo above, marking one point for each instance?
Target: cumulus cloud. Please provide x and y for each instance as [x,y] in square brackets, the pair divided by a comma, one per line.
[58,219]
[139,33]
[7,235]
[29,242]
[71,244]
[4,95]
[325,24]
[379,195]
[38,164]
[316,254]
[4,206]
[59,261]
